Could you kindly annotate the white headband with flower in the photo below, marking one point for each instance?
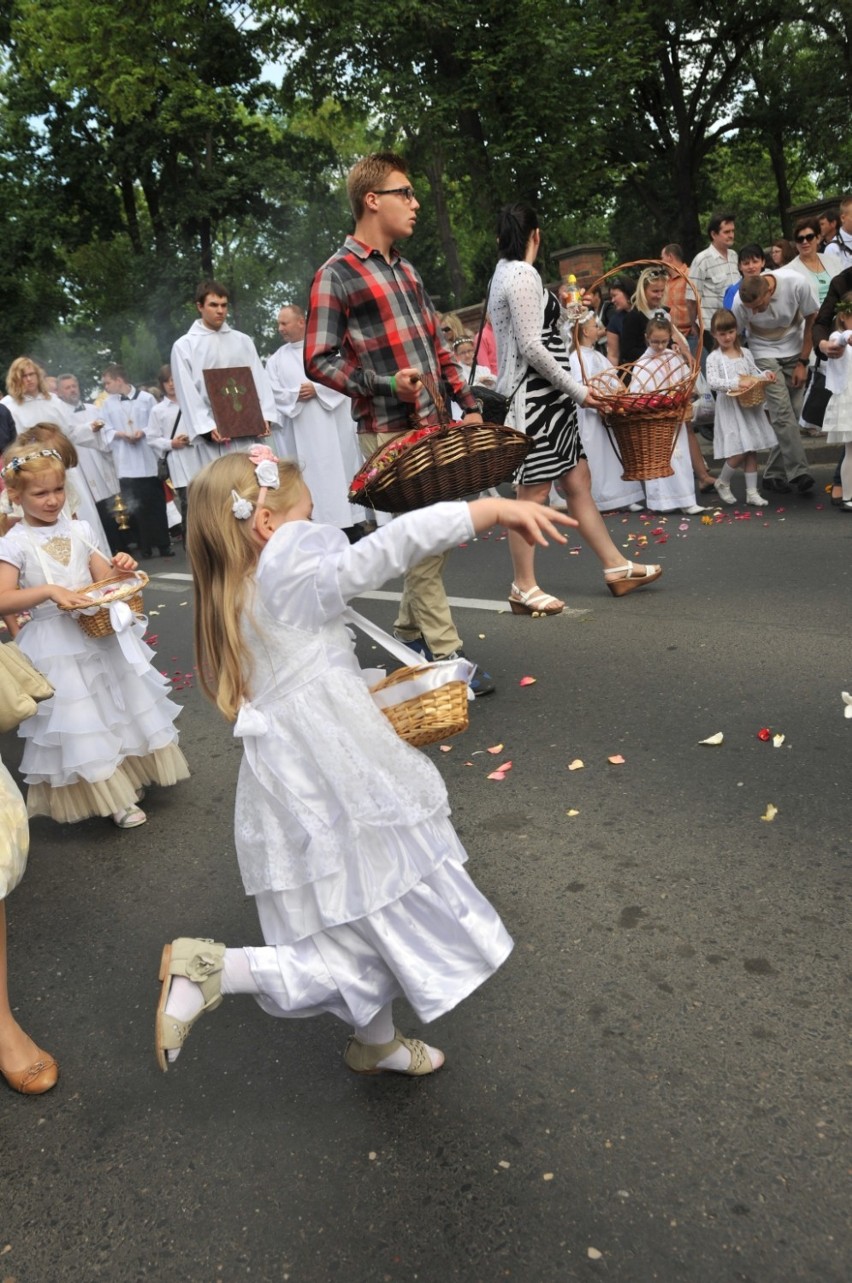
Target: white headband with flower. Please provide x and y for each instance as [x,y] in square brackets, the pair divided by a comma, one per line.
[266,471]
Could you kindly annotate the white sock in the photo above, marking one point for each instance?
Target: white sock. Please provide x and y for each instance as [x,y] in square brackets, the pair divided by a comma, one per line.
[751,482]
[846,472]
[727,474]
[185,998]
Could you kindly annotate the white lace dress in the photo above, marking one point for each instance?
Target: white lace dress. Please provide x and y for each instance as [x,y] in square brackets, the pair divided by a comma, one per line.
[109,729]
[342,829]
[736,428]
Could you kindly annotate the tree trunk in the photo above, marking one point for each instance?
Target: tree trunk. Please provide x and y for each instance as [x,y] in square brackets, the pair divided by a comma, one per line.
[433,167]
[775,147]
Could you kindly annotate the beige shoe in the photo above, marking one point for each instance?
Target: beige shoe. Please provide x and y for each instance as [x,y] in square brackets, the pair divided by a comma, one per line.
[363,1058]
[200,961]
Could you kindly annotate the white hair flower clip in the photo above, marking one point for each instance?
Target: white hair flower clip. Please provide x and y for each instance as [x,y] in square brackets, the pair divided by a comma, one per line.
[265,467]
[240,507]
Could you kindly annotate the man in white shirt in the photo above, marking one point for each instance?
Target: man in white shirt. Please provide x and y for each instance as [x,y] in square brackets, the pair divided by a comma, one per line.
[85,423]
[841,244]
[316,427]
[126,413]
[211,344]
[714,269]
[778,309]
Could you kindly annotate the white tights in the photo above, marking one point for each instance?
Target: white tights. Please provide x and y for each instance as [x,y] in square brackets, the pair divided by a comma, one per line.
[846,472]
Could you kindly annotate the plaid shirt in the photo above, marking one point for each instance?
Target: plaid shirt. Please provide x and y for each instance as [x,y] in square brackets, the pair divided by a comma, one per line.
[369,318]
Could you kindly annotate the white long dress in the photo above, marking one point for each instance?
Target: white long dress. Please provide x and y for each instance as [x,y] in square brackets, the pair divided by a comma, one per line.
[609,489]
[109,729]
[318,433]
[655,370]
[838,379]
[342,830]
[736,428]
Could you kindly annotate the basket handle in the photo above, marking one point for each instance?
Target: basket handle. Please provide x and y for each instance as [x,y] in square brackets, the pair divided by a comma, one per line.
[647,262]
[432,389]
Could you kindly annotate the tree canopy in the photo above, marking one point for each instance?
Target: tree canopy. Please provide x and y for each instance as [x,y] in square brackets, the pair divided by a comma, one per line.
[148,144]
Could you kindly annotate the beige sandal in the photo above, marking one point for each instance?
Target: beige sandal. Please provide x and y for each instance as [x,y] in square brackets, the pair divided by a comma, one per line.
[363,1058]
[130,817]
[200,961]
[635,577]
[534,602]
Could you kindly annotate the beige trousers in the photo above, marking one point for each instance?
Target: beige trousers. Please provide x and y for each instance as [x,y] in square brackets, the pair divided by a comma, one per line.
[424,610]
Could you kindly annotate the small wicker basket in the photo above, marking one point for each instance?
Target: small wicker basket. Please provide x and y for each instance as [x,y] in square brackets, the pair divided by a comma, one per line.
[448,461]
[127,590]
[643,425]
[754,391]
[429,717]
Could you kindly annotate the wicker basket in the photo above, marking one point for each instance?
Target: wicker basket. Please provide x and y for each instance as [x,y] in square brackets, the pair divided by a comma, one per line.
[443,461]
[130,591]
[754,391]
[429,717]
[643,425]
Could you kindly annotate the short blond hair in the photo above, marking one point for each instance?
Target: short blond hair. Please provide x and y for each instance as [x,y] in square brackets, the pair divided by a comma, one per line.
[223,555]
[368,174]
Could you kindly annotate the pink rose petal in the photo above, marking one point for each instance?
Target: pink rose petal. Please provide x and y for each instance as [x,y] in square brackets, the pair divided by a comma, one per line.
[616,760]
[497,775]
[527,681]
[495,748]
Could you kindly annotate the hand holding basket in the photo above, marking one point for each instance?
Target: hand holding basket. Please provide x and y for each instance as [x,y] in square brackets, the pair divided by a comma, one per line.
[103,594]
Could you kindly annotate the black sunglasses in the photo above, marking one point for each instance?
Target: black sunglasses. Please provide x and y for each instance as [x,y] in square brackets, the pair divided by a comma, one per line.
[807,236]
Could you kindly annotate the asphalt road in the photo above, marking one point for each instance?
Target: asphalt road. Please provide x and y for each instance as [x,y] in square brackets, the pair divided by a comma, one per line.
[654,1087]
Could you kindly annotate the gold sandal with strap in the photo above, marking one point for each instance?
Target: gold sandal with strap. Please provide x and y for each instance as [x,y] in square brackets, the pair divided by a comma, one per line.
[363,1058]
[200,961]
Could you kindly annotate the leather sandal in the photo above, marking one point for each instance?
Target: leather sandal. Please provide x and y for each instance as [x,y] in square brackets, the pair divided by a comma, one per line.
[200,961]
[363,1058]
[36,1079]
[534,602]
[636,577]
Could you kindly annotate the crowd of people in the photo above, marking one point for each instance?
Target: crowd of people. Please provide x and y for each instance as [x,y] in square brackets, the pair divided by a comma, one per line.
[342,830]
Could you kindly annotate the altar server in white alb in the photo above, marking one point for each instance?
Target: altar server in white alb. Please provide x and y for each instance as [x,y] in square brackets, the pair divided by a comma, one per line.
[211,344]
[85,424]
[314,425]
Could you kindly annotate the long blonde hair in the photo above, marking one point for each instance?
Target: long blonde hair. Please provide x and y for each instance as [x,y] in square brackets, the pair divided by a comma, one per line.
[223,552]
[15,379]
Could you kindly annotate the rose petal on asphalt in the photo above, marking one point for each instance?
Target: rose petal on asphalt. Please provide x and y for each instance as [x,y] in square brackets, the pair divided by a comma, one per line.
[497,775]
[495,748]
[770,813]
[446,748]
[616,760]
[527,681]
[593,1254]
[576,765]
[764,734]
[778,740]
[572,812]
[713,739]
[847,700]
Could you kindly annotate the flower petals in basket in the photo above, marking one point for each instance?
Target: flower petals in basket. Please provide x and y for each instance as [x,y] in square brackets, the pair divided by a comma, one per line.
[102,594]
[751,391]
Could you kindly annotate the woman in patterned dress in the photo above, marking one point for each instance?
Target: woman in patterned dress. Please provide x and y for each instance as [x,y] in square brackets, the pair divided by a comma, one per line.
[535,374]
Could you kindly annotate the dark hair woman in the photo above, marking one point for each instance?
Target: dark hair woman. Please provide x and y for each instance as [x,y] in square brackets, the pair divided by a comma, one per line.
[534,372]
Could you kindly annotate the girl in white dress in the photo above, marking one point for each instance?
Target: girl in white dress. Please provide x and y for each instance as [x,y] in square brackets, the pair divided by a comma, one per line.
[838,415]
[342,829]
[660,366]
[109,729]
[609,489]
[738,431]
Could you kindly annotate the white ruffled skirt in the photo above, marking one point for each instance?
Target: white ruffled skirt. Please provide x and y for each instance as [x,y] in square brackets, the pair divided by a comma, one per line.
[106,732]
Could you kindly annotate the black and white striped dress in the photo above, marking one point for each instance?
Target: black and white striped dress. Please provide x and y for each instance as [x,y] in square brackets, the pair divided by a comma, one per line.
[550,415]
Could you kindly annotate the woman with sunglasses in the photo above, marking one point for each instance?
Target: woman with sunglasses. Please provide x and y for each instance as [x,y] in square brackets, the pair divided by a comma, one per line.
[818,268]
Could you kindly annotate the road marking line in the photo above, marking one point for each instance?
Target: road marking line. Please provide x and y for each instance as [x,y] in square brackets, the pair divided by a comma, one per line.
[469,603]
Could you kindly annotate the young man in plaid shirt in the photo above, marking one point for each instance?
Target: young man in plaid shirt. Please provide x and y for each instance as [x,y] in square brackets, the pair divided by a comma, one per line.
[372,331]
